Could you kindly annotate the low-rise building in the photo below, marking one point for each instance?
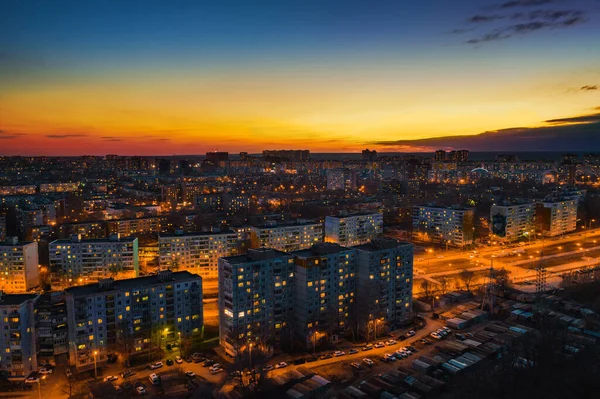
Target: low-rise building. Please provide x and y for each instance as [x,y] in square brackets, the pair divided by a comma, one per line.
[554,218]
[287,237]
[132,317]
[445,225]
[138,226]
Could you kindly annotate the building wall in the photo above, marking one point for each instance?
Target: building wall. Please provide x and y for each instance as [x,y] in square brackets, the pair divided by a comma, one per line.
[19,270]
[556,218]
[353,230]
[512,222]
[443,225]
[287,238]
[18,353]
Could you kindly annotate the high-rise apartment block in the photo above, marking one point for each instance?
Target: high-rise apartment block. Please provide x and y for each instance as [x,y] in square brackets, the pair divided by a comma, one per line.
[324,292]
[384,280]
[198,252]
[341,179]
[132,316]
[256,300]
[2,228]
[554,218]
[353,229]
[18,352]
[91,260]
[444,225]
[19,266]
[512,222]
[287,237]
[138,226]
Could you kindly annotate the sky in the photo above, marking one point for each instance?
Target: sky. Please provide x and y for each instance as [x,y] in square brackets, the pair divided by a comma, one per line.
[186,77]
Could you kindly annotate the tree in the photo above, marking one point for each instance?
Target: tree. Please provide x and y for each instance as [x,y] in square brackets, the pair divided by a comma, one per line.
[467,277]
[426,288]
[444,282]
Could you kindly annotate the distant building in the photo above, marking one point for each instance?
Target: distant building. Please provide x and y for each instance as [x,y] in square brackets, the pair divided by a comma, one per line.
[91,260]
[234,204]
[87,230]
[556,217]
[287,237]
[324,298]
[2,228]
[19,266]
[132,317]
[444,225]
[287,155]
[256,300]
[440,156]
[17,190]
[138,226]
[512,221]
[18,353]
[353,229]
[217,158]
[171,194]
[196,251]
[368,155]
[384,281]
[341,179]
[59,187]
[458,156]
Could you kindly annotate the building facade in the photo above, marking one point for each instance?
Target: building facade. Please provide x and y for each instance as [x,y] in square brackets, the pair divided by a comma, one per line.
[341,179]
[256,300]
[139,226]
[353,230]
[18,352]
[324,293]
[19,266]
[287,238]
[197,252]
[384,281]
[133,317]
[512,222]
[83,261]
[444,225]
[556,217]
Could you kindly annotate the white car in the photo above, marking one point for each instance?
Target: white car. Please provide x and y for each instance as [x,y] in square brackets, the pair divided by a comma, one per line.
[190,374]
[268,367]
[368,362]
[154,379]
[44,371]
[141,390]
[110,378]
[32,380]
[391,342]
[435,335]
[379,344]
[338,353]
[281,365]
[411,333]
[216,371]
[156,365]
[390,357]
[178,359]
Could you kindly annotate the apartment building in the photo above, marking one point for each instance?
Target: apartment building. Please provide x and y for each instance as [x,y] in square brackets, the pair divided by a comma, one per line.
[18,352]
[384,280]
[87,230]
[286,237]
[2,228]
[256,300]
[511,222]
[341,179]
[324,293]
[353,229]
[198,252]
[444,225]
[138,226]
[554,218]
[51,328]
[132,317]
[19,266]
[82,261]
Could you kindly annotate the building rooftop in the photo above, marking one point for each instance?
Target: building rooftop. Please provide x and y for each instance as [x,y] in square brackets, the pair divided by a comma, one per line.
[320,249]
[255,255]
[161,277]
[79,240]
[286,224]
[382,244]
[15,299]
[196,233]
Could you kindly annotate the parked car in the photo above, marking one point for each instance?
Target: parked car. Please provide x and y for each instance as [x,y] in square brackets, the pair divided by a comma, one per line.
[154,379]
[390,357]
[32,379]
[236,373]
[268,367]
[190,374]
[424,341]
[338,353]
[216,370]
[141,390]
[435,335]
[215,366]
[208,363]
[281,365]
[352,351]
[391,342]
[178,359]
[45,371]
[127,373]
[411,333]
[110,378]
[156,365]
[368,362]
[169,362]
[379,344]
[367,347]
[327,356]
[356,365]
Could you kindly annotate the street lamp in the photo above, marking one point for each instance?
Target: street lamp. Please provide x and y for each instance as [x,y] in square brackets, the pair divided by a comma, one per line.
[179,336]
[95,365]
[250,352]
[39,388]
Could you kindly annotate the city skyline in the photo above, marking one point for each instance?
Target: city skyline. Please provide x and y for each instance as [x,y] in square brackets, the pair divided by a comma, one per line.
[101,78]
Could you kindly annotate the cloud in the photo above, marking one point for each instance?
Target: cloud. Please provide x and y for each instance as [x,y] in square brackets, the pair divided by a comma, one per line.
[589,88]
[525,3]
[4,135]
[578,133]
[484,18]
[65,136]
[111,138]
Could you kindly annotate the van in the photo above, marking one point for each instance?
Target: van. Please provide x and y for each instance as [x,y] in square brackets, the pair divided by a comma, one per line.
[154,379]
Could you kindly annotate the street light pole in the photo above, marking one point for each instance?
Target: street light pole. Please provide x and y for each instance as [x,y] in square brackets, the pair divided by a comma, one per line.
[179,335]
[95,365]
[250,345]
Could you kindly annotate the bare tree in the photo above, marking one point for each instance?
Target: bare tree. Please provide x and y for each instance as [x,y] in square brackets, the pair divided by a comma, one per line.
[426,288]
[444,282]
[467,278]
